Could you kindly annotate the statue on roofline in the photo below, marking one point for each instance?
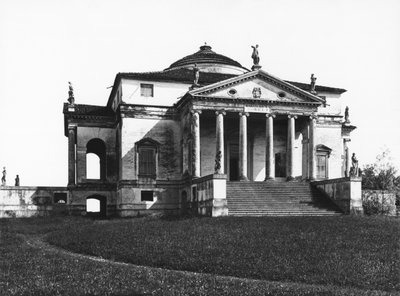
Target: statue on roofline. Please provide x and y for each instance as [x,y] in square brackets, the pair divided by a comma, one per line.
[196,75]
[312,85]
[3,178]
[346,115]
[71,98]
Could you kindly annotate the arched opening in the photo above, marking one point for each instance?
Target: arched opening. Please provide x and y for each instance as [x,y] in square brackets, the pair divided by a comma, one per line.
[96,159]
[96,206]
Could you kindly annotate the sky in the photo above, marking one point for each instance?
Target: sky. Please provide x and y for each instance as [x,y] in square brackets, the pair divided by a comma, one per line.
[348,44]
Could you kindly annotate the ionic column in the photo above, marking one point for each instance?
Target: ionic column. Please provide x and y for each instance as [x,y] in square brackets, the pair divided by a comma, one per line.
[196,143]
[243,146]
[71,154]
[269,151]
[312,155]
[290,147]
[219,153]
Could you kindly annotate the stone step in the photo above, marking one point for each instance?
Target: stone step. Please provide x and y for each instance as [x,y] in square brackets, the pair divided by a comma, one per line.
[277,199]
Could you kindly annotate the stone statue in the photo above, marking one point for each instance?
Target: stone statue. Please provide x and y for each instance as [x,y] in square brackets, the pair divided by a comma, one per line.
[218,158]
[312,85]
[354,170]
[346,115]
[17,180]
[196,75]
[71,98]
[3,178]
[254,55]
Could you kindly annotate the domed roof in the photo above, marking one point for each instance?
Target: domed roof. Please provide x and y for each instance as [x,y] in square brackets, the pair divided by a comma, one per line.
[205,56]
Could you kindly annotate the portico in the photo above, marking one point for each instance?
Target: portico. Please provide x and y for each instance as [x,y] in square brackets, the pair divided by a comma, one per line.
[243,155]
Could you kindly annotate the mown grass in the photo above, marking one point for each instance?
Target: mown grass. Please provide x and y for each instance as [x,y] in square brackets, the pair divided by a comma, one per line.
[341,251]
[27,269]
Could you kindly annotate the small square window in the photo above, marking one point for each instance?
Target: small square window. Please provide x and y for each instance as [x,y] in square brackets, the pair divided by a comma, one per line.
[146,90]
[147,195]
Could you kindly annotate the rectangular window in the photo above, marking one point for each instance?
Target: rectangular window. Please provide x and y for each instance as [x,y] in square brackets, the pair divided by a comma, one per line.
[147,195]
[321,166]
[147,162]
[146,90]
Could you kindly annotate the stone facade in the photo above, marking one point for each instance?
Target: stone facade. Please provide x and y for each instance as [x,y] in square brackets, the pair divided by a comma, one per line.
[169,143]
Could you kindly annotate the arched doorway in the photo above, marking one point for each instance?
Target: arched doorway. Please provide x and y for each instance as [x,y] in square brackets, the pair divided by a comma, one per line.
[96,159]
[96,206]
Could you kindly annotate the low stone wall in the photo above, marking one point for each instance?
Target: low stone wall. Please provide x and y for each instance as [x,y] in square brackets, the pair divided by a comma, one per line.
[344,192]
[210,199]
[27,201]
[379,202]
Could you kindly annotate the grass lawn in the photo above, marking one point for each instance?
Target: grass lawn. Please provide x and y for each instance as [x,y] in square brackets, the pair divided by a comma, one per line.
[286,256]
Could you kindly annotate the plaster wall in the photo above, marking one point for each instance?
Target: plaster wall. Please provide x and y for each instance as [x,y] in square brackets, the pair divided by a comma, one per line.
[330,135]
[165,93]
[166,132]
[130,203]
[333,104]
[108,136]
[27,201]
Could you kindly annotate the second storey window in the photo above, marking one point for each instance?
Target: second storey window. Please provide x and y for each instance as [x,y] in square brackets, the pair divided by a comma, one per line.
[146,90]
[147,162]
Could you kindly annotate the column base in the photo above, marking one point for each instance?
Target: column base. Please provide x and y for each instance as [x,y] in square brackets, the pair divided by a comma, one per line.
[243,178]
[269,179]
[290,178]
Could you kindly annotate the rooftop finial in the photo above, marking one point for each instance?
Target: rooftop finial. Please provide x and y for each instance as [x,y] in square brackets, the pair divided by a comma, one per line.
[312,85]
[71,98]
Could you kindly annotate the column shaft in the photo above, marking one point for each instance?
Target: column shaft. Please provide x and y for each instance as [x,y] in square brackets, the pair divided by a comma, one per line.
[219,153]
[269,151]
[243,146]
[313,170]
[71,155]
[290,147]
[196,143]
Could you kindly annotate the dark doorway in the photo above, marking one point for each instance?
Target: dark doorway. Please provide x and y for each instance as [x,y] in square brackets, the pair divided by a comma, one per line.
[280,165]
[233,162]
[96,206]
[234,169]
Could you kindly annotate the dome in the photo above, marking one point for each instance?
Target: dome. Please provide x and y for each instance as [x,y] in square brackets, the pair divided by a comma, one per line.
[209,61]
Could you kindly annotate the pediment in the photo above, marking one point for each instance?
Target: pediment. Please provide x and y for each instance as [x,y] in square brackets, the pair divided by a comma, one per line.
[257,85]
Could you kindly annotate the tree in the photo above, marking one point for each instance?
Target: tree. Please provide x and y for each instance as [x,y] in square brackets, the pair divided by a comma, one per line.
[382,174]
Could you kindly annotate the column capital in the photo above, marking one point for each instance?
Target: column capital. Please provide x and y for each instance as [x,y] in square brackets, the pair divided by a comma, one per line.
[313,116]
[244,114]
[72,127]
[273,115]
[193,111]
[220,112]
[346,140]
[292,116]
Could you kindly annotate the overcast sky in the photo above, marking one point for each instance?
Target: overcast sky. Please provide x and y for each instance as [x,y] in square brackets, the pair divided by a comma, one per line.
[46,43]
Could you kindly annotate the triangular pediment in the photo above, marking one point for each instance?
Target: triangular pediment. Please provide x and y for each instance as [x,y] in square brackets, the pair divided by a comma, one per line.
[257,85]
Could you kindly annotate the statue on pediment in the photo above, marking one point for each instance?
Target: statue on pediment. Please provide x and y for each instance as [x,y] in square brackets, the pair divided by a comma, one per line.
[71,98]
[254,55]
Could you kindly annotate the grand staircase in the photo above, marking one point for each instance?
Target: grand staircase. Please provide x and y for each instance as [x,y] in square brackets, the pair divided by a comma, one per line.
[277,199]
